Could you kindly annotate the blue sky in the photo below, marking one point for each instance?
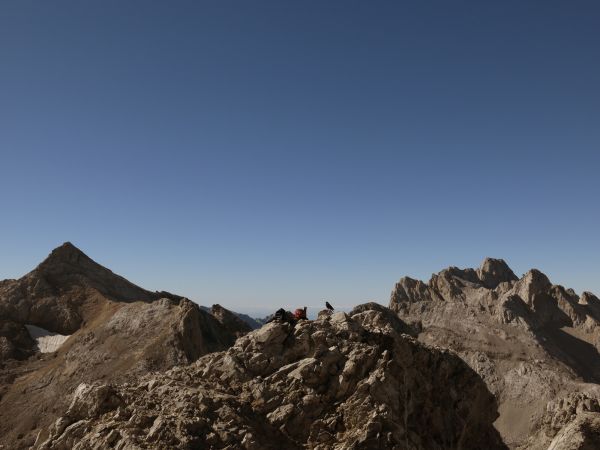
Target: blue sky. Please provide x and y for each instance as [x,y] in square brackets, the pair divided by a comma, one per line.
[259,154]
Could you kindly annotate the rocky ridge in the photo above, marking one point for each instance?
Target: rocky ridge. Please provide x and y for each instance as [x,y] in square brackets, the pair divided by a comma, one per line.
[230,320]
[344,381]
[533,343]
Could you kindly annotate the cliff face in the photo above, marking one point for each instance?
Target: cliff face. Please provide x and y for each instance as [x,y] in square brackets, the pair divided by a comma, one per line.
[532,342]
[340,382]
[231,321]
[116,331]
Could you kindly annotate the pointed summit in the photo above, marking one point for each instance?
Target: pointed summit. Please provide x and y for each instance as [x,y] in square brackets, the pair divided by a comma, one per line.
[494,271]
[66,247]
[67,252]
[67,267]
[67,260]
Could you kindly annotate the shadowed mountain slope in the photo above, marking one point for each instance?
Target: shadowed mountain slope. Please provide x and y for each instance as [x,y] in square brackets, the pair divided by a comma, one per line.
[531,341]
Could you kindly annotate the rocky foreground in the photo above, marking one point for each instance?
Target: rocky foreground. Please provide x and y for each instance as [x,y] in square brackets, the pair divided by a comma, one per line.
[343,381]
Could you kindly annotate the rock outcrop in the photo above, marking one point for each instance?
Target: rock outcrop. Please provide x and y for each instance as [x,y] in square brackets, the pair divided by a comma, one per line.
[345,381]
[569,423]
[531,341]
[118,331]
[231,321]
[15,341]
[583,433]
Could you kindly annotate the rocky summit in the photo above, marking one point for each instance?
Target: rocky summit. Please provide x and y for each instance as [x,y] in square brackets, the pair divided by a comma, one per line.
[535,344]
[344,381]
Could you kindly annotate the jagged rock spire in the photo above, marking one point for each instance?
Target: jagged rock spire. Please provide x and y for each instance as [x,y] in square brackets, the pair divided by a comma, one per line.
[493,271]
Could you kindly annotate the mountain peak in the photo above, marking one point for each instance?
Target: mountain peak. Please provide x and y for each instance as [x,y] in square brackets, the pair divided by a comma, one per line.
[494,271]
[68,267]
[66,252]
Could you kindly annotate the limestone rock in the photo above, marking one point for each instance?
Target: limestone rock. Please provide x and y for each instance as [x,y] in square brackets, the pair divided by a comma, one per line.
[492,272]
[117,331]
[232,322]
[583,433]
[345,381]
[410,290]
[571,422]
[91,400]
[531,341]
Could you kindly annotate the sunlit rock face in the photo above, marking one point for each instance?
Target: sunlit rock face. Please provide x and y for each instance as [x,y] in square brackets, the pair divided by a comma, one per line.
[532,342]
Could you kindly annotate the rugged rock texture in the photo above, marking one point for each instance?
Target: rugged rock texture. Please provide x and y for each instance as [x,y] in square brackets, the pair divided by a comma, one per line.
[571,422]
[531,341]
[252,322]
[583,433]
[231,321]
[340,382]
[15,341]
[118,331]
[55,295]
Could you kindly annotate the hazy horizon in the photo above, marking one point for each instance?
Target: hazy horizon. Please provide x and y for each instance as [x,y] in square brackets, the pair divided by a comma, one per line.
[269,154]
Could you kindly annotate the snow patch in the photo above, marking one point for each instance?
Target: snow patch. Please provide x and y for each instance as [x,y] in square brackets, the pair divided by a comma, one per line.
[47,341]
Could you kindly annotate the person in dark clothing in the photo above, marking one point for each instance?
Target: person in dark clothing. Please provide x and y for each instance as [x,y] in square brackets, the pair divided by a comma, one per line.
[281,315]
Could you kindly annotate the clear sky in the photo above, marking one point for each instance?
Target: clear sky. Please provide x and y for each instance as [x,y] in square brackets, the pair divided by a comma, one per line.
[259,154]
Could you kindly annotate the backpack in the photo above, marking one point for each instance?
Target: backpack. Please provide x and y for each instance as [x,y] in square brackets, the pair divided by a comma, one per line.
[300,314]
